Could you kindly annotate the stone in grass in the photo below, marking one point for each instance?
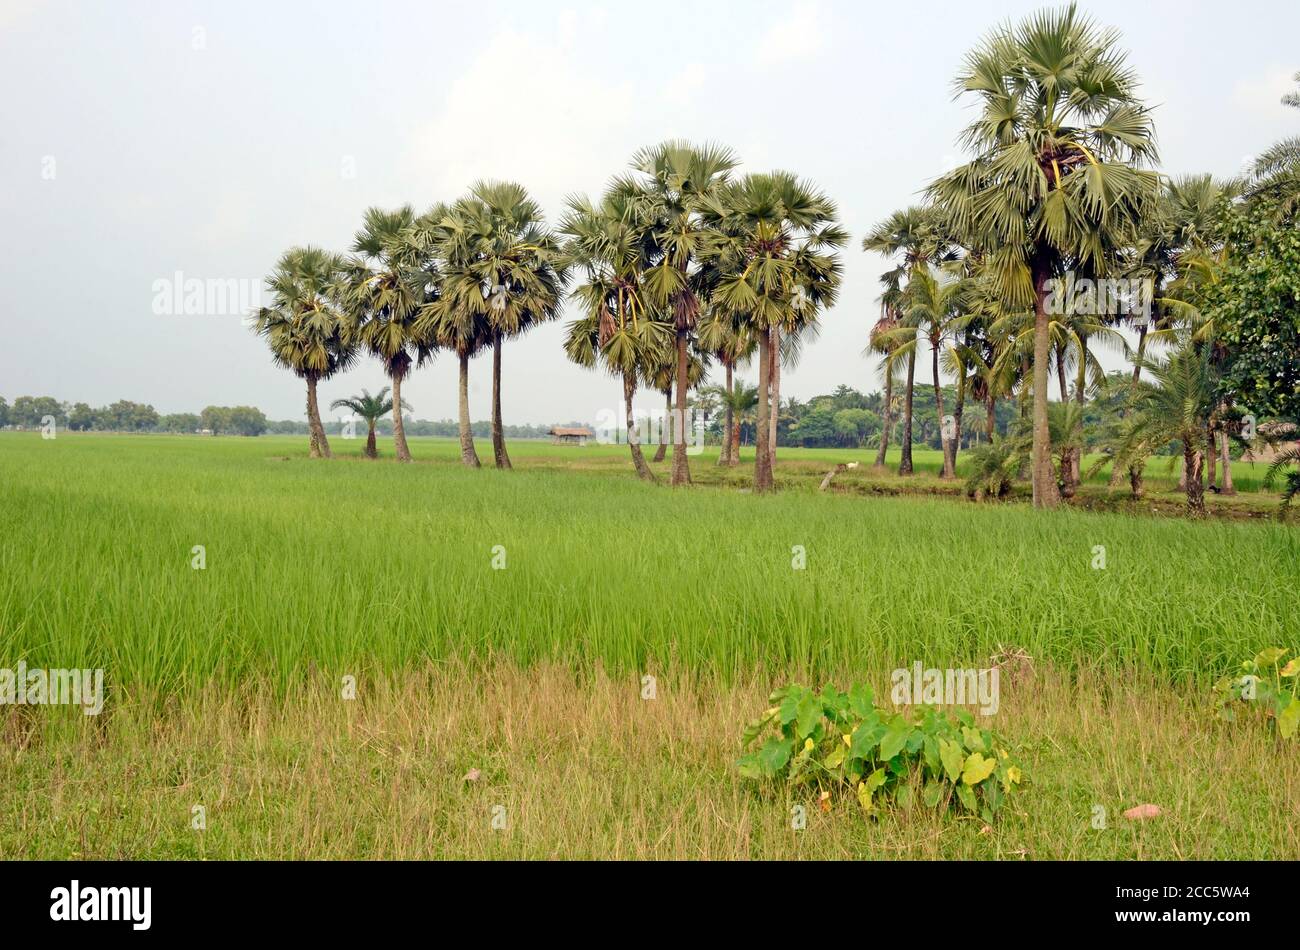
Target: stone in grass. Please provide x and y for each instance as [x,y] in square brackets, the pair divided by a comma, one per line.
[1143,812]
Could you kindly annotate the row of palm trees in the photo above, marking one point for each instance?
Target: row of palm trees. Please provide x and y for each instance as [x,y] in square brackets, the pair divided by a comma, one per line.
[463,277]
[683,263]
[679,263]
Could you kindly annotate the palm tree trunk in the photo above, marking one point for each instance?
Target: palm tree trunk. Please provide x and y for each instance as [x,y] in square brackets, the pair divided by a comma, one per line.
[774,380]
[666,429]
[1195,490]
[724,456]
[762,454]
[1212,457]
[399,430]
[990,415]
[633,436]
[1080,397]
[946,471]
[1225,456]
[1046,494]
[681,468]
[372,451]
[905,463]
[957,412]
[1137,375]
[467,454]
[887,420]
[320,445]
[498,433]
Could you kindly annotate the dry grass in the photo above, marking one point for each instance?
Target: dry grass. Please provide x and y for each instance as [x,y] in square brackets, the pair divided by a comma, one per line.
[585,768]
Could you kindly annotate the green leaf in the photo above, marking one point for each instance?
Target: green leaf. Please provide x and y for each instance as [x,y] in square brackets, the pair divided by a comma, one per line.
[977,769]
[774,754]
[836,757]
[1289,719]
[865,739]
[974,741]
[809,716]
[951,755]
[932,793]
[967,796]
[862,701]
[1269,657]
[895,738]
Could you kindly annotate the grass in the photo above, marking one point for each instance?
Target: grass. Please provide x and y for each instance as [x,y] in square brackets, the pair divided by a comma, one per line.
[223,682]
[582,767]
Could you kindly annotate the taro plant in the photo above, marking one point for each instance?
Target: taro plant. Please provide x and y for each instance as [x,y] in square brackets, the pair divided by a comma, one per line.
[1265,684]
[833,740]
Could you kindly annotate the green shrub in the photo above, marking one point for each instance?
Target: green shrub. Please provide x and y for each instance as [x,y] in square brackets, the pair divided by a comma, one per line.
[1260,683]
[833,739]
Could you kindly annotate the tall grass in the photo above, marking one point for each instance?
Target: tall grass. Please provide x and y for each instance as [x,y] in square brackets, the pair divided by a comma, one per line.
[353,566]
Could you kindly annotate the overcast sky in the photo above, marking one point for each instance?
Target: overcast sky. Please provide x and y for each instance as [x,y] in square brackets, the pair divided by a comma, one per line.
[145,139]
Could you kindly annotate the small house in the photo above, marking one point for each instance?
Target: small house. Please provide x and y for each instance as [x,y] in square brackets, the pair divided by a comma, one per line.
[570,435]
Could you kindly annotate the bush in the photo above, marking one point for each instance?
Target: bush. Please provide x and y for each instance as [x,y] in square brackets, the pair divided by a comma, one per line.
[1259,683]
[843,740]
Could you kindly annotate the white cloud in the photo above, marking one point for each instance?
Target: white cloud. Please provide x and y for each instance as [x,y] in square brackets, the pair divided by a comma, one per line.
[798,35]
[525,109]
[1262,94]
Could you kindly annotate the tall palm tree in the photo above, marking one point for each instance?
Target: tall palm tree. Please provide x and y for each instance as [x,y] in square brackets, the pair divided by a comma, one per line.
[500,264]
[774,263]
[878,343]
[908,237]
[1056,184]
[372,409]
[609,244]
[937,309]
[390,278]
[306,327]
[674,181]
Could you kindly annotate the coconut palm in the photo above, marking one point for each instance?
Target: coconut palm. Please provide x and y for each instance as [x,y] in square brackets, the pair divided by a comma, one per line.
[1056,184]
[390,278]
[306,326]
[610,246]
[909,237]
[372,409]
[774,264]
[674,180]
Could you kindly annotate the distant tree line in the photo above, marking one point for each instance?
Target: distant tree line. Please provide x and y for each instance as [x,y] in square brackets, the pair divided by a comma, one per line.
[29,412]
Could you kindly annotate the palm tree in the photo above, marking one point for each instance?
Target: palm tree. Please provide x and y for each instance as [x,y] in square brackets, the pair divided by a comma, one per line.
[371,408]
[618,330]
[878,341]
[909,237]
[500,264]
[390,279]
[1175,406]
[677,178]
[731,342]
[937,310]
[1055,185]
[774,264]
[739,400]
[305,326]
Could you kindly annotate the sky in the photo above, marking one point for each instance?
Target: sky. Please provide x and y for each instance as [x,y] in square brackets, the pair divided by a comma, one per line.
[146,142]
